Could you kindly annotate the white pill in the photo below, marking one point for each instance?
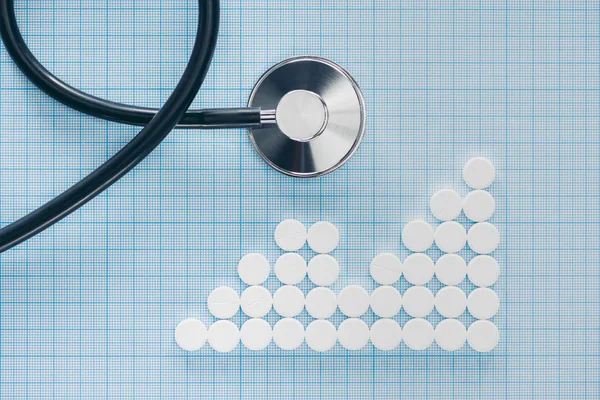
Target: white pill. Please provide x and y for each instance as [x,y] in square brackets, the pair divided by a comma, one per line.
[288,301]
[353,301]
[223,336]
[386,301]
[450,301]
[223,302]
[256,334]
[353,334]
[191,334]
[418,334]
[483,238]
[418,268]
[256,301]
[479,173]
[321,303]
[386,268]
[321,335]
[479,205]
[323,270]
[290,235]
[290,268]
[323,237]
[450,334]
[386,334]
[288,334]
[445,205]
[418,301]
[451,269]
[254,269]
[483,336]
[483,271]
[417,235]
[483,303]
[450,237]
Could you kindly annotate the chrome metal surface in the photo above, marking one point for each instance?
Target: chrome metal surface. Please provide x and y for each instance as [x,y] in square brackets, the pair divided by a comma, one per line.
[320,117]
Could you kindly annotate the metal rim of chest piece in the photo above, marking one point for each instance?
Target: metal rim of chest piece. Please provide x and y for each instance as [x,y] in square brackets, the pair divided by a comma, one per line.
[317,120]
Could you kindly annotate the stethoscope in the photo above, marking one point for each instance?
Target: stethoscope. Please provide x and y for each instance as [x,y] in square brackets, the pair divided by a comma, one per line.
[305,117]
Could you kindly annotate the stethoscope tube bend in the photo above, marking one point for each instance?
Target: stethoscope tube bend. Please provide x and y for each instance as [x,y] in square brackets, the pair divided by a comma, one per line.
[158,123]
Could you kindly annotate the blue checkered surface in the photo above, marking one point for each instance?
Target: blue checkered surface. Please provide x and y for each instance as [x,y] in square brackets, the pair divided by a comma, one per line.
[88,308]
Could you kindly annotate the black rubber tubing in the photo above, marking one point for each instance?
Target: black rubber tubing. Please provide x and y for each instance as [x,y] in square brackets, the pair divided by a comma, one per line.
[138,148]
[106,109]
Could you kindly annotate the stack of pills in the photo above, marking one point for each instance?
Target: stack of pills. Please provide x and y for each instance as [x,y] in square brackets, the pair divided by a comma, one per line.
[353,301]
[451,269]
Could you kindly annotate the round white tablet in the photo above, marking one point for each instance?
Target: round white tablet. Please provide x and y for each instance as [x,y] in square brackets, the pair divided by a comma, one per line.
[483,271]
[450,237]
[323,270]
[290,268]
[483,238]
[191,334]
[445,205]
[418,268]
[323,237]
[223,336]
[288,301]
[417,235]
[451,269]
[386,301]
[386,334]
[254,269]
[321,335]
[418,301]
[450,301]
[290,235]
[288,334]
[353,334]
[386,268]
[418,334]
[223,302]
[450,334]
[479,173]
[256,301]
[321,303]
[353,301]
[483,336]
[483,303]
[479,205]
[256,334]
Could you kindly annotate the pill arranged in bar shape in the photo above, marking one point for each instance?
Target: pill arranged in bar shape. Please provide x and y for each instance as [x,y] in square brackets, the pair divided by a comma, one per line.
[290,268]
[386,334]
[254,269]
[479,173]
[323,270]
[417,235]
[256,301]
[223,302]
[446,205]
[321,303]
[353,301]
[256,334]
[386,268]
[450,269]
[418,268]
[288,301]
[323,237]
[290,235]
[191,334]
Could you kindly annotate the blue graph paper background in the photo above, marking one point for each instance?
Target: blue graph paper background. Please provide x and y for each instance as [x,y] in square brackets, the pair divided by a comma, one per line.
[88,308]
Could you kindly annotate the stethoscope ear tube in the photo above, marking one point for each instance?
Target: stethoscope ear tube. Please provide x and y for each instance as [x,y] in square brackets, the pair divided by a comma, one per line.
[101,108]
[158,127]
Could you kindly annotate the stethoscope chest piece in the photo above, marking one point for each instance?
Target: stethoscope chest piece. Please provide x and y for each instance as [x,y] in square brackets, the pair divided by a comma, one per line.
[317,121]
